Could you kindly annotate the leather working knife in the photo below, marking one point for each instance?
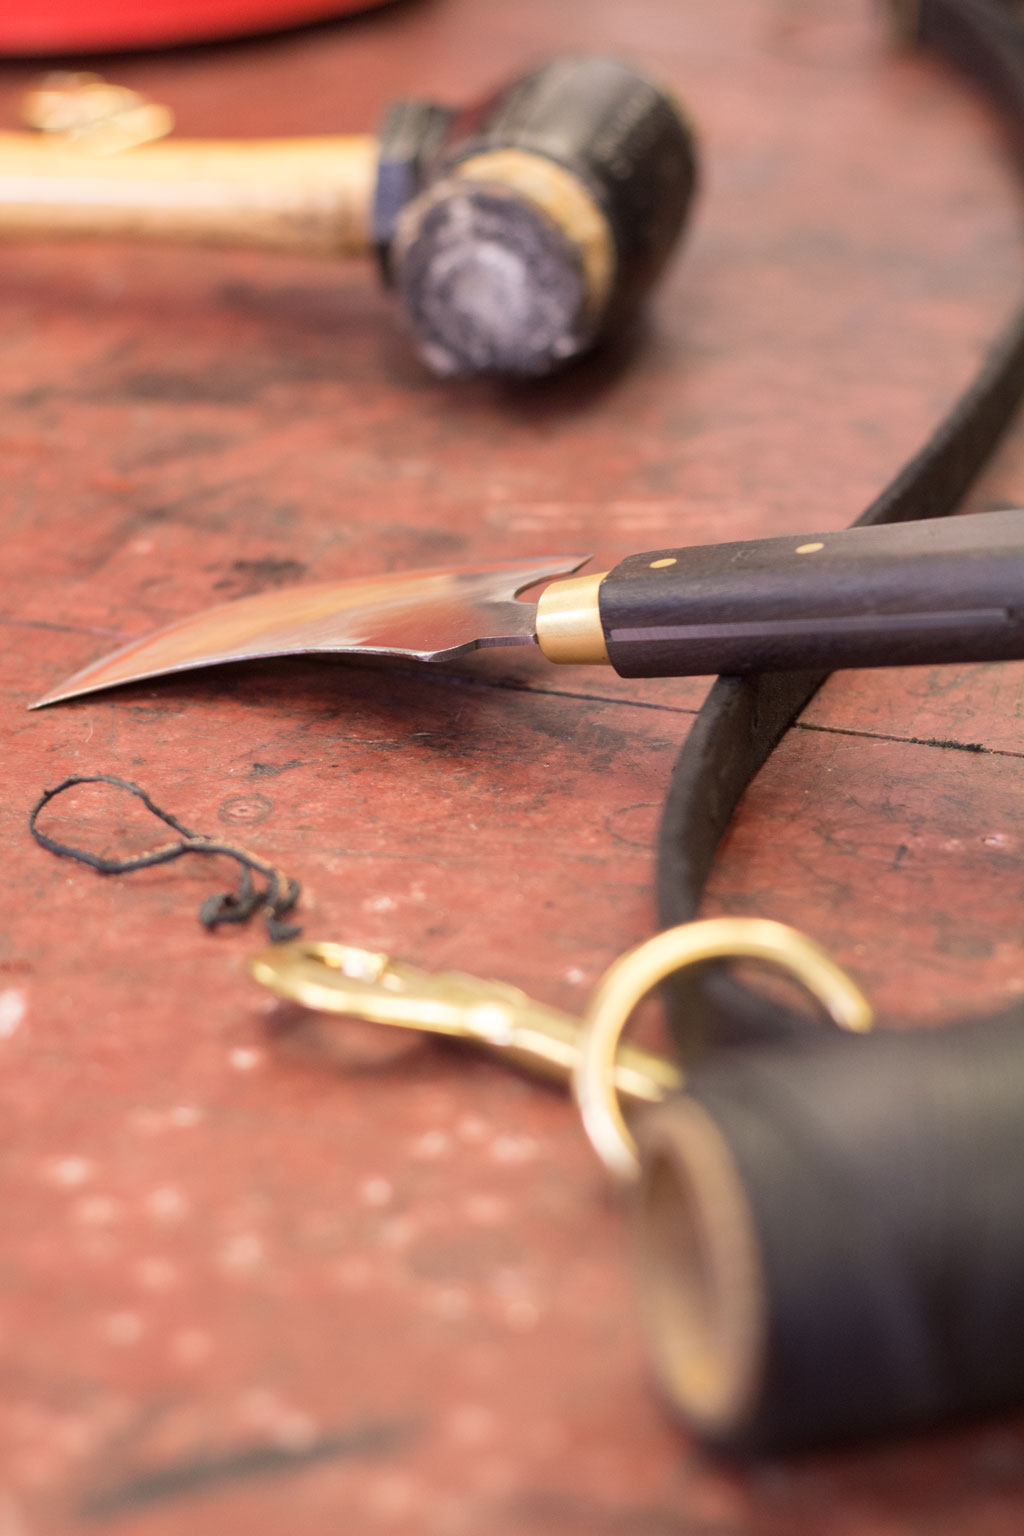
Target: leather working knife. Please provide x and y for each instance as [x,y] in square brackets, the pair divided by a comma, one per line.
[947,589]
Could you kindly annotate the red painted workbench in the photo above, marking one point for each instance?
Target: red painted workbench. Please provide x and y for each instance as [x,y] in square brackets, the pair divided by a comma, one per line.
[250,1287]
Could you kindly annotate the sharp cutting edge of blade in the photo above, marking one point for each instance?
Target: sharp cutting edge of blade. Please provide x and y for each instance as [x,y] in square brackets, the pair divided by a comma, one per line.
[468,607]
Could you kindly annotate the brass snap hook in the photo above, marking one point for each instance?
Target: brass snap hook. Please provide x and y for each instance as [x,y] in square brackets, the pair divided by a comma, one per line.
[364,984]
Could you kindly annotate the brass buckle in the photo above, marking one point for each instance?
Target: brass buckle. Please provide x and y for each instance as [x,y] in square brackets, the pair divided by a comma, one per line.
[636,972]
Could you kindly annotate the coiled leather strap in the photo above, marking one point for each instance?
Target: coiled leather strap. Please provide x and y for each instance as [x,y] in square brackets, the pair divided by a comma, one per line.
[743,719]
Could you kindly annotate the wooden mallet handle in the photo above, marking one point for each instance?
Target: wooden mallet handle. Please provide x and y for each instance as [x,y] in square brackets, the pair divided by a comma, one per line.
[305,195]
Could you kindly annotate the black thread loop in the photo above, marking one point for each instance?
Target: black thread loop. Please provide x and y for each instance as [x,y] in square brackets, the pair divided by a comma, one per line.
[275,898]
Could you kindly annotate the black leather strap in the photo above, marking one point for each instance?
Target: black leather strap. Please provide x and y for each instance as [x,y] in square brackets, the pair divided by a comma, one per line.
[743,719]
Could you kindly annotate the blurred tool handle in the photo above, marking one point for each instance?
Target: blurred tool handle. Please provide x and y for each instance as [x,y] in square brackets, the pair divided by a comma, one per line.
[313,195]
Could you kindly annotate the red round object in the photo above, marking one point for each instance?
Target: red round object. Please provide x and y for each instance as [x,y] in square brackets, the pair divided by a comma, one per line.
[68,26]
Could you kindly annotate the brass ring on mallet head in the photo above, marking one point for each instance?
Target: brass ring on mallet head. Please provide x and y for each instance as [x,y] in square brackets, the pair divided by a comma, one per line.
[634,974]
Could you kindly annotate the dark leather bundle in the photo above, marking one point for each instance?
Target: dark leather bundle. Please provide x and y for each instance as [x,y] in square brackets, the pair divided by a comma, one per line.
[831,1241]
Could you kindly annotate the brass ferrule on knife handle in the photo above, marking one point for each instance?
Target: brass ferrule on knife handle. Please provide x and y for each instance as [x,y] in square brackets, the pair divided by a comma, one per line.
[569,620]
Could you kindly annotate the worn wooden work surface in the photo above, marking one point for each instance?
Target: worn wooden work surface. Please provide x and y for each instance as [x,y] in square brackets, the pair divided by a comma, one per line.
[246,1289]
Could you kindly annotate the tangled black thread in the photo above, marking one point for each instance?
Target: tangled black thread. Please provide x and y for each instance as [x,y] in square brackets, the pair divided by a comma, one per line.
[276,898]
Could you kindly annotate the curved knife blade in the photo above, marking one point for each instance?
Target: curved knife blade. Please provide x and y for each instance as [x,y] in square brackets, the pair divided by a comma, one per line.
[424,615]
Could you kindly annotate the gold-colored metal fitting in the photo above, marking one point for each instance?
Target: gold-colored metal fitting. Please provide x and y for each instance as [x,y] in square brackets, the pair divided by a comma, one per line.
[702,1284]
[365,984]
[640,969]
[569,627]
[338,978]
[87,110]
[703,1293]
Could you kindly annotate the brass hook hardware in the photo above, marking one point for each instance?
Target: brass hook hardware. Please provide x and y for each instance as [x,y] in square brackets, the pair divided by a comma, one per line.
[337,978]
[631,976]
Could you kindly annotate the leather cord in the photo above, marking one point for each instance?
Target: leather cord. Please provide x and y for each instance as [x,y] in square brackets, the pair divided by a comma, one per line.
[275,899]
[744,718]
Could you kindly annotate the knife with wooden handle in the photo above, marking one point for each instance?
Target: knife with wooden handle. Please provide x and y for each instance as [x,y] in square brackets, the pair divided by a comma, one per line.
[940,590]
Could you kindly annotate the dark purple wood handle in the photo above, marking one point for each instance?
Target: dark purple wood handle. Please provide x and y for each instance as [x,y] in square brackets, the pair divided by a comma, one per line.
[923,592]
